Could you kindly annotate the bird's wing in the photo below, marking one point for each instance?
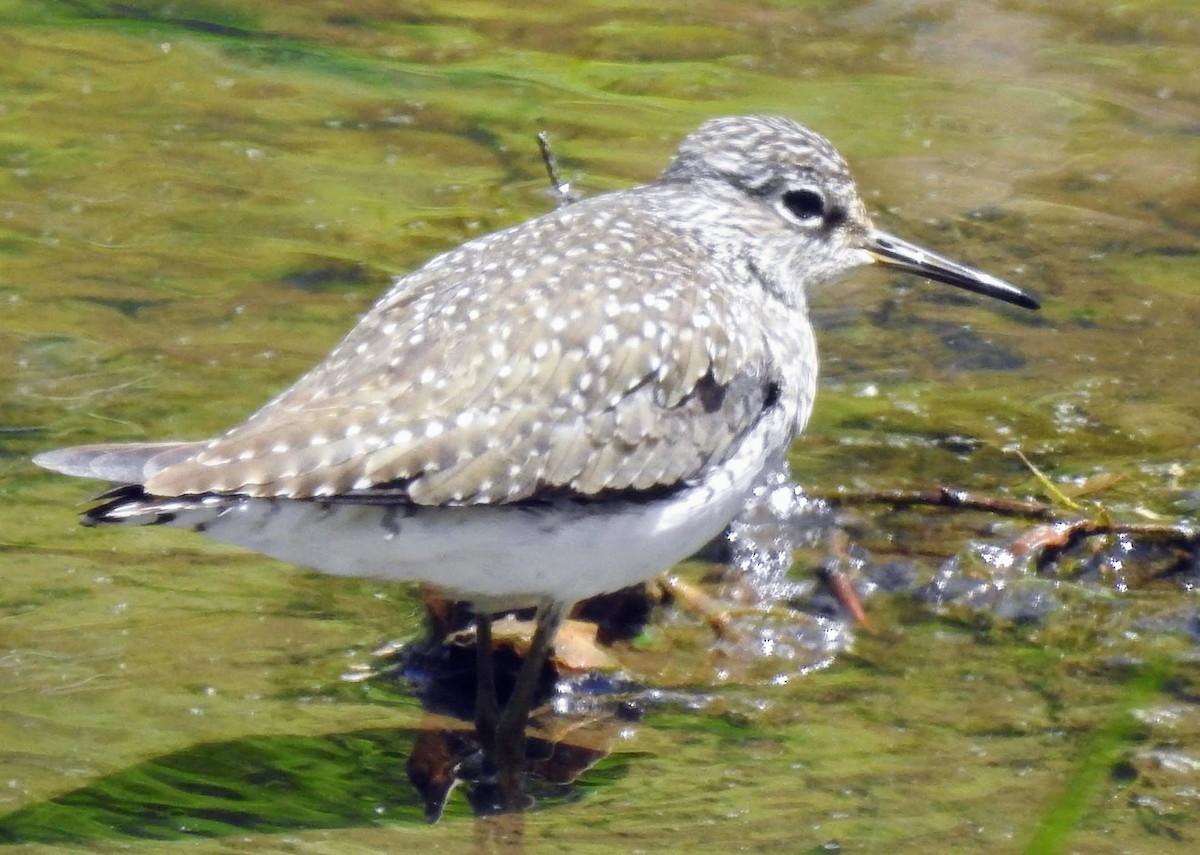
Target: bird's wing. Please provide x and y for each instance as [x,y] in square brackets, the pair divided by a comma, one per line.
[518,365]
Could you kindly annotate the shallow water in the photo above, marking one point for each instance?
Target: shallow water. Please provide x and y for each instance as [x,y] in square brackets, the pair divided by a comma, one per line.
[196,200]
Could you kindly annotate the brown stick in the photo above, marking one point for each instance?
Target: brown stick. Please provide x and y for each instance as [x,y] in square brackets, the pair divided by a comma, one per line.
[1057,536]
[941,497]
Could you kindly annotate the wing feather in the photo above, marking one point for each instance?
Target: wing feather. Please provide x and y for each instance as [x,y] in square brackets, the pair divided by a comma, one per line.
[502,370]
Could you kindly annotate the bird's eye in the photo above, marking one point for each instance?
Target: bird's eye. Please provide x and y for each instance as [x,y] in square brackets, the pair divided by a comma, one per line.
[805,204]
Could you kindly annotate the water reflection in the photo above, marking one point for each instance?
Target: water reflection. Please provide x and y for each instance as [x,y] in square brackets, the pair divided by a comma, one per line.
[251,785]
[581,705]
[447,754]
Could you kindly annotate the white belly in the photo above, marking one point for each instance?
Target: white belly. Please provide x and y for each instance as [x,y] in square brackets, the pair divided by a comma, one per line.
[509,554]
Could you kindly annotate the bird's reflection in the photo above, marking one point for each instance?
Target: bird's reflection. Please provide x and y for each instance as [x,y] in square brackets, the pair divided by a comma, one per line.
[447,754]
[581,707]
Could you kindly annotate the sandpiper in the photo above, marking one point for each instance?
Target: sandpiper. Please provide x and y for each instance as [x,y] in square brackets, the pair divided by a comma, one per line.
[559,409]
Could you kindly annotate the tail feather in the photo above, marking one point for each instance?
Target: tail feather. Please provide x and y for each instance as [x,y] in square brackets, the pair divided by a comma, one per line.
[121,463]
[128,465]
[130,504]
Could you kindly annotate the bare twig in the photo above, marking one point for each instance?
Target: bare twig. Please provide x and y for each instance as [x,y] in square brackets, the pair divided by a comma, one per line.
[941,497]
[830,573]
[562,189]
[1056,537]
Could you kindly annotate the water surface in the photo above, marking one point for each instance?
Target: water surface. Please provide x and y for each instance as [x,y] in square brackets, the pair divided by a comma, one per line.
[197,199]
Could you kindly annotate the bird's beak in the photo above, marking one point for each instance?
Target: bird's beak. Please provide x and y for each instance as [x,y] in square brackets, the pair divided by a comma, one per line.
[892,252]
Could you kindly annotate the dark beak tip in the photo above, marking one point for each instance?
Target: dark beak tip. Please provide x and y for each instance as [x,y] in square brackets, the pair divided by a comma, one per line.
[891,251]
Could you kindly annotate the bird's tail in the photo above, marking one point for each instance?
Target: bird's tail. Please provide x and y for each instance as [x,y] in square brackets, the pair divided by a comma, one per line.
[118,462]
[130,504]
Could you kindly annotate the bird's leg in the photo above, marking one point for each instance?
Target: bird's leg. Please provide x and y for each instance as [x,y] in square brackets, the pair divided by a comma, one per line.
[508,751]
[487,707]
